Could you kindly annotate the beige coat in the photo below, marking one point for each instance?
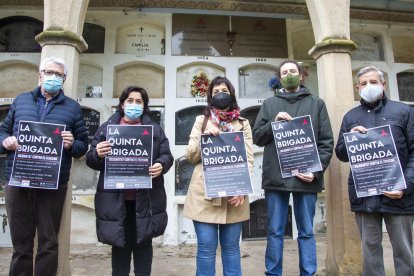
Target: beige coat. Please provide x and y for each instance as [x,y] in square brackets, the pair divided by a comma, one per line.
[217,210]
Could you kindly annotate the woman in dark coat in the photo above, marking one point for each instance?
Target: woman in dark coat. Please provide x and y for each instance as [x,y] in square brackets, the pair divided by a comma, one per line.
[129,219]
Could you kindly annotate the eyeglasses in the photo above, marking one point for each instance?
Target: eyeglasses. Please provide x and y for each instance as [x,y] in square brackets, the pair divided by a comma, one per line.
[51,73]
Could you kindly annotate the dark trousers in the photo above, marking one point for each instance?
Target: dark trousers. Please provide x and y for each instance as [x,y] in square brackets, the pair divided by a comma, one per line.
[29,210]
[142,254]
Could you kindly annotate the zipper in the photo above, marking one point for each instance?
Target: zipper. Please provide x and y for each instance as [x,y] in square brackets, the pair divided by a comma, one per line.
[44,110]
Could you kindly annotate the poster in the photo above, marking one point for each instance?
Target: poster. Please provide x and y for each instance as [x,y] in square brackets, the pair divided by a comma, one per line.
[296,147]
[225,167]
[374,161]
[126,167]
[37,159]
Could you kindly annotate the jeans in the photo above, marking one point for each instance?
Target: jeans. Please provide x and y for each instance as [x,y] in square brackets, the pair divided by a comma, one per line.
[30,211]
[277,203]
[400,231]
[207,240]
[121,256]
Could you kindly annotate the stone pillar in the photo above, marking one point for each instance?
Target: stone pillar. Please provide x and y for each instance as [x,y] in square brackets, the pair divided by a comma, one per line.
[330,21]
[62,37]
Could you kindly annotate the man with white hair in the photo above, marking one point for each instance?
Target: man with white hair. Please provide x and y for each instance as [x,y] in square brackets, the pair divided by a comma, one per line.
[395,208]
[32,211]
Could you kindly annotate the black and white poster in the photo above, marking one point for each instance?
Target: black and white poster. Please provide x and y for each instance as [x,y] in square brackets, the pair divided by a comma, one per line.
[374,161]
[126,167]
[225,166]
[296,147]
[38,157]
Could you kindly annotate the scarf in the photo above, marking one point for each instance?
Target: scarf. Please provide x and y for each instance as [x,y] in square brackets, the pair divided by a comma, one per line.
[222,118]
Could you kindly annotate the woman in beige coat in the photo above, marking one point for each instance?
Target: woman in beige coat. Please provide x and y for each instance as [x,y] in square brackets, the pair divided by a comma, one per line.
[217,218]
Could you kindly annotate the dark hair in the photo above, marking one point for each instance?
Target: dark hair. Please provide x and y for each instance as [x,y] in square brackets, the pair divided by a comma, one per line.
[302,71]
[217,81]
[125,95]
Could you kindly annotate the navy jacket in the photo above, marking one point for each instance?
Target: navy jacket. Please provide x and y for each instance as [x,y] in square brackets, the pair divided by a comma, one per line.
[63,110]
[110,203]
[401,119]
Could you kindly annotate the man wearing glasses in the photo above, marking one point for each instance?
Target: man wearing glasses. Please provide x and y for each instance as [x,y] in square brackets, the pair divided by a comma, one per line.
[32,211]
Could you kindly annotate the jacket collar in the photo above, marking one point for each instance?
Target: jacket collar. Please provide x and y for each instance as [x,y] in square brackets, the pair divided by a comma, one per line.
[56,99]
[293,97]
[376,106]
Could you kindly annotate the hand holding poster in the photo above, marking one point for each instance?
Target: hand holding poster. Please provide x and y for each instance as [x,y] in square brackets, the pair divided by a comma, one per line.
[296,147]
[37,159]
[374,161]
[224,160]
[126,167]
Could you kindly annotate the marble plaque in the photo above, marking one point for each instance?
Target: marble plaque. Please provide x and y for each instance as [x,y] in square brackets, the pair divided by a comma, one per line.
[406,86]
[94,35]
[141,38]
[254,81]
[90,77]
[183,173]
[91,118]
[3,180]
[157,115]
[250,114]
[5,239]
[257,175]
[259,37]
[17,34]
[199,35]
[369,47]
[149,77]
[93,91]
[184,121]
[18,77]
[214,35]
[256,226]
[4,109]
[186,74]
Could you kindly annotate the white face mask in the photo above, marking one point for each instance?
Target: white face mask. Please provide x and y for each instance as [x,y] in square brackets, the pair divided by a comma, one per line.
[371,92]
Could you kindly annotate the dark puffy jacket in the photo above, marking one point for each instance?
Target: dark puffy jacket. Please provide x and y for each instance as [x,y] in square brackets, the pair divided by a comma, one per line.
[63,110]
[110,203]
[296,104]
[401,119]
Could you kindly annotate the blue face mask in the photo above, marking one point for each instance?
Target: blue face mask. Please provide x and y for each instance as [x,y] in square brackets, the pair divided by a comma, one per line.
[133,111]
[52,84]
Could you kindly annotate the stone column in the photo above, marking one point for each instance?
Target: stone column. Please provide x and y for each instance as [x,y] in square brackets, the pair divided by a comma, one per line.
[62,37]
[330,21]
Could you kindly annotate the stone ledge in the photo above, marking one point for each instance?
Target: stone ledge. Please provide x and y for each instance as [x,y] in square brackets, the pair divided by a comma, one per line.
[62,37]
[332,45]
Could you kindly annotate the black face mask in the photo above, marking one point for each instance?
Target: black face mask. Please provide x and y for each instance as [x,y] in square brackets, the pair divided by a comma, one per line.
[221,100]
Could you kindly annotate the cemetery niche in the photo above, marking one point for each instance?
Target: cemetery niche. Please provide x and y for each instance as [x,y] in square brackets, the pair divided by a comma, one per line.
[184,121]
[91,118]
[94,36]
[405,82]
[17,34]
[250,114]
[183,173]
[256,226]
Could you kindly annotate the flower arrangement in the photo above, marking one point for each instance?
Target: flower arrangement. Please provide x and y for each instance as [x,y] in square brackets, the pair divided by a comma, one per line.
[199,85]
[274,84]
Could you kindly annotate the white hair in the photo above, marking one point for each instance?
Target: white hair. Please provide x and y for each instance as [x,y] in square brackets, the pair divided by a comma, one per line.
[367,69]
[55,60]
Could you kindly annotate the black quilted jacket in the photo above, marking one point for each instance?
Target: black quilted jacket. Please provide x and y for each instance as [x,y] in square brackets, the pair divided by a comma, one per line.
[110,203]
